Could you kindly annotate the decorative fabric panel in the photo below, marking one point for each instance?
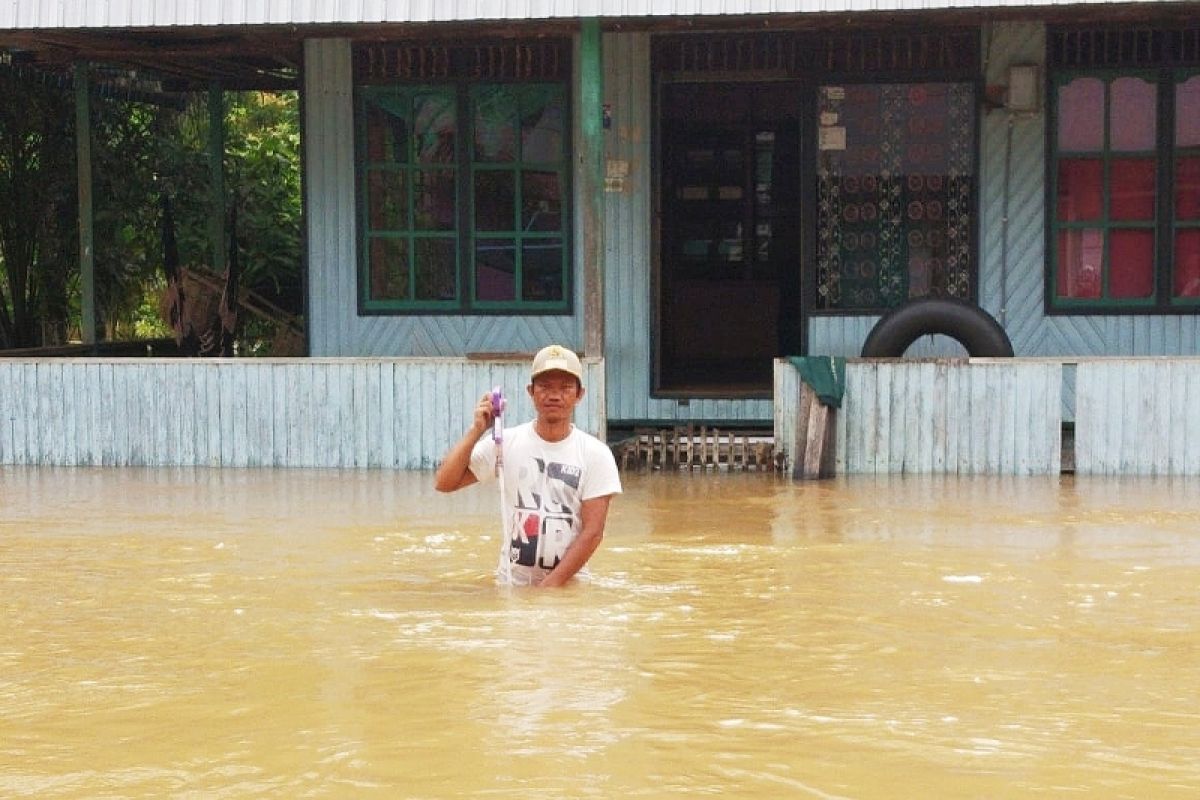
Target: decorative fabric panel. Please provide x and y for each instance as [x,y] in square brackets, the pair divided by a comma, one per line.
[895,180]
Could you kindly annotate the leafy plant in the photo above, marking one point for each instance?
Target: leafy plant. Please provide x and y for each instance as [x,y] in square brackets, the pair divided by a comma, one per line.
[140,151]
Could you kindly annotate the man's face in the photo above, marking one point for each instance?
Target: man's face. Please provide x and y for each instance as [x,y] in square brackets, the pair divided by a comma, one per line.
[555,395]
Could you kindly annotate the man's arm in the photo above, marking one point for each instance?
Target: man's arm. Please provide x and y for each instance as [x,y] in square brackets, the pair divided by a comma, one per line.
[455,470]
[593,514]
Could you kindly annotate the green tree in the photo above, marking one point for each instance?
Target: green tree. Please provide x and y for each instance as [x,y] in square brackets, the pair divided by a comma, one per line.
[37,208]
[262,176]
[141,151]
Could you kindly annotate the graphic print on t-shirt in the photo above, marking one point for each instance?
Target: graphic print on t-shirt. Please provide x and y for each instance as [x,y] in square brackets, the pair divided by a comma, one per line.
[544,523]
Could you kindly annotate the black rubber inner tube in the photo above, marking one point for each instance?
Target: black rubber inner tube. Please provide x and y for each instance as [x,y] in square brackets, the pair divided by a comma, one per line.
[967,323]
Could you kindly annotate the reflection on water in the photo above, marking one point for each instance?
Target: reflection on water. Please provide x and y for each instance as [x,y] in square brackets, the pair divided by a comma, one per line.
[243,633]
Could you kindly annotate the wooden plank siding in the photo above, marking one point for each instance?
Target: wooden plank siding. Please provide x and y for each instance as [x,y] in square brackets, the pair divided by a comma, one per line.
[961,416]
[351,413]
[1137,417]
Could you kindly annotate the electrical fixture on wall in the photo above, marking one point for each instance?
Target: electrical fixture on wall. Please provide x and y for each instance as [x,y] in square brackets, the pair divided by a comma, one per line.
[1023,95]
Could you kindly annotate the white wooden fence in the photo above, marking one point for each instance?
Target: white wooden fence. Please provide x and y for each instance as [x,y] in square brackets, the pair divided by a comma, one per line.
[389,413]
[962,416]
[1138,416]
[1132,416]
[959,416]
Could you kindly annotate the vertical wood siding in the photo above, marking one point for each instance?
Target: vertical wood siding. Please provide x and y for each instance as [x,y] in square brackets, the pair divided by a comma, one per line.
[1137,417]
[366,413]
[956,417]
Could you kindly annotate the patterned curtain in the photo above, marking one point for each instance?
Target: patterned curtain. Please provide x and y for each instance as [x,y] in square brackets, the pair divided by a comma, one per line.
[894,189]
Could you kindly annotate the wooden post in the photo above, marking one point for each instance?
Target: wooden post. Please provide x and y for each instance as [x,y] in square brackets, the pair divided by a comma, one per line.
[83,167]
[814,450]
[591,160]
[216,167]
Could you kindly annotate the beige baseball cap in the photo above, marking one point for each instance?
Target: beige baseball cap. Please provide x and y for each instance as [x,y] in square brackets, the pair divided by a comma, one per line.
[556,357]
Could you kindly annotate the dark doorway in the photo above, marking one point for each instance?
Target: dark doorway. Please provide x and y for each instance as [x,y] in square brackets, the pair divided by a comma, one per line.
[729,280]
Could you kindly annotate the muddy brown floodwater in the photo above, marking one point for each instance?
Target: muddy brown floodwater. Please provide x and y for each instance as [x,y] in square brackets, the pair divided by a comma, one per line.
[242,633]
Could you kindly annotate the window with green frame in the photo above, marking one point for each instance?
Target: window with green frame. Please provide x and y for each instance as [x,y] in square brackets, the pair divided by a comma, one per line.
[463,198]
[1125,175]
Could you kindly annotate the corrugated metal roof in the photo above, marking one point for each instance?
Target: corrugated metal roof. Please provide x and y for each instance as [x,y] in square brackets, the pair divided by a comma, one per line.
[59,14]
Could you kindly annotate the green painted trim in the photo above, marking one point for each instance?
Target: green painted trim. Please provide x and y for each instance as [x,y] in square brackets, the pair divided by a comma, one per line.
[591,157]
[464,168]
[83,164]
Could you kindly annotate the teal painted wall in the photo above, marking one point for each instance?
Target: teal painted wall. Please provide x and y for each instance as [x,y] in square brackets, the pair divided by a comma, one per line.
[1011,254]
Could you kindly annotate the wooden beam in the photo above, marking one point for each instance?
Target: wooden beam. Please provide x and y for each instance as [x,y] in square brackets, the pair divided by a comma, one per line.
[83,167]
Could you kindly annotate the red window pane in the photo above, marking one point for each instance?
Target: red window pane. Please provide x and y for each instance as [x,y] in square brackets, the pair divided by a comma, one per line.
[1130,263]
[1187,113]
[1132,122]
[1081,115]
[1187,263]
[1080,254]
[1187,188]
[1080,189]
[1131,188]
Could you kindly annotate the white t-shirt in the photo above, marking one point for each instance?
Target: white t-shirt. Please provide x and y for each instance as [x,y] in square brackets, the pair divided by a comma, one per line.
[544,485]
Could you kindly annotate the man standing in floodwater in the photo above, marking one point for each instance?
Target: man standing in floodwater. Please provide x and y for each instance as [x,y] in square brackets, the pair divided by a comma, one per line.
[555,480]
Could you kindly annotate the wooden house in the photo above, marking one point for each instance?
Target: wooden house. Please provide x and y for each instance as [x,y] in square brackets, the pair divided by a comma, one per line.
[687,193]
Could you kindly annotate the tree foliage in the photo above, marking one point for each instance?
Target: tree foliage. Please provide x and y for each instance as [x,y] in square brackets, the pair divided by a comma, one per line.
[37,208]
[140,151]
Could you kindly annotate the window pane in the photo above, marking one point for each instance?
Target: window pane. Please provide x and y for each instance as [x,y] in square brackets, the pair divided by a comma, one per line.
[495,124]
[495,203]
[1080,115]
[1187,188]
[495,269]
[387,129]
[1131,263]
[1133,119]
[423,167]
[1131,188]
[540,201]
[542,270]
[434,128]
[1187,113]
[435,270]
[1080,253]
[389,269]
[433,200]
[542,126]
[1080,189]
[387,200]
[1187,263]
